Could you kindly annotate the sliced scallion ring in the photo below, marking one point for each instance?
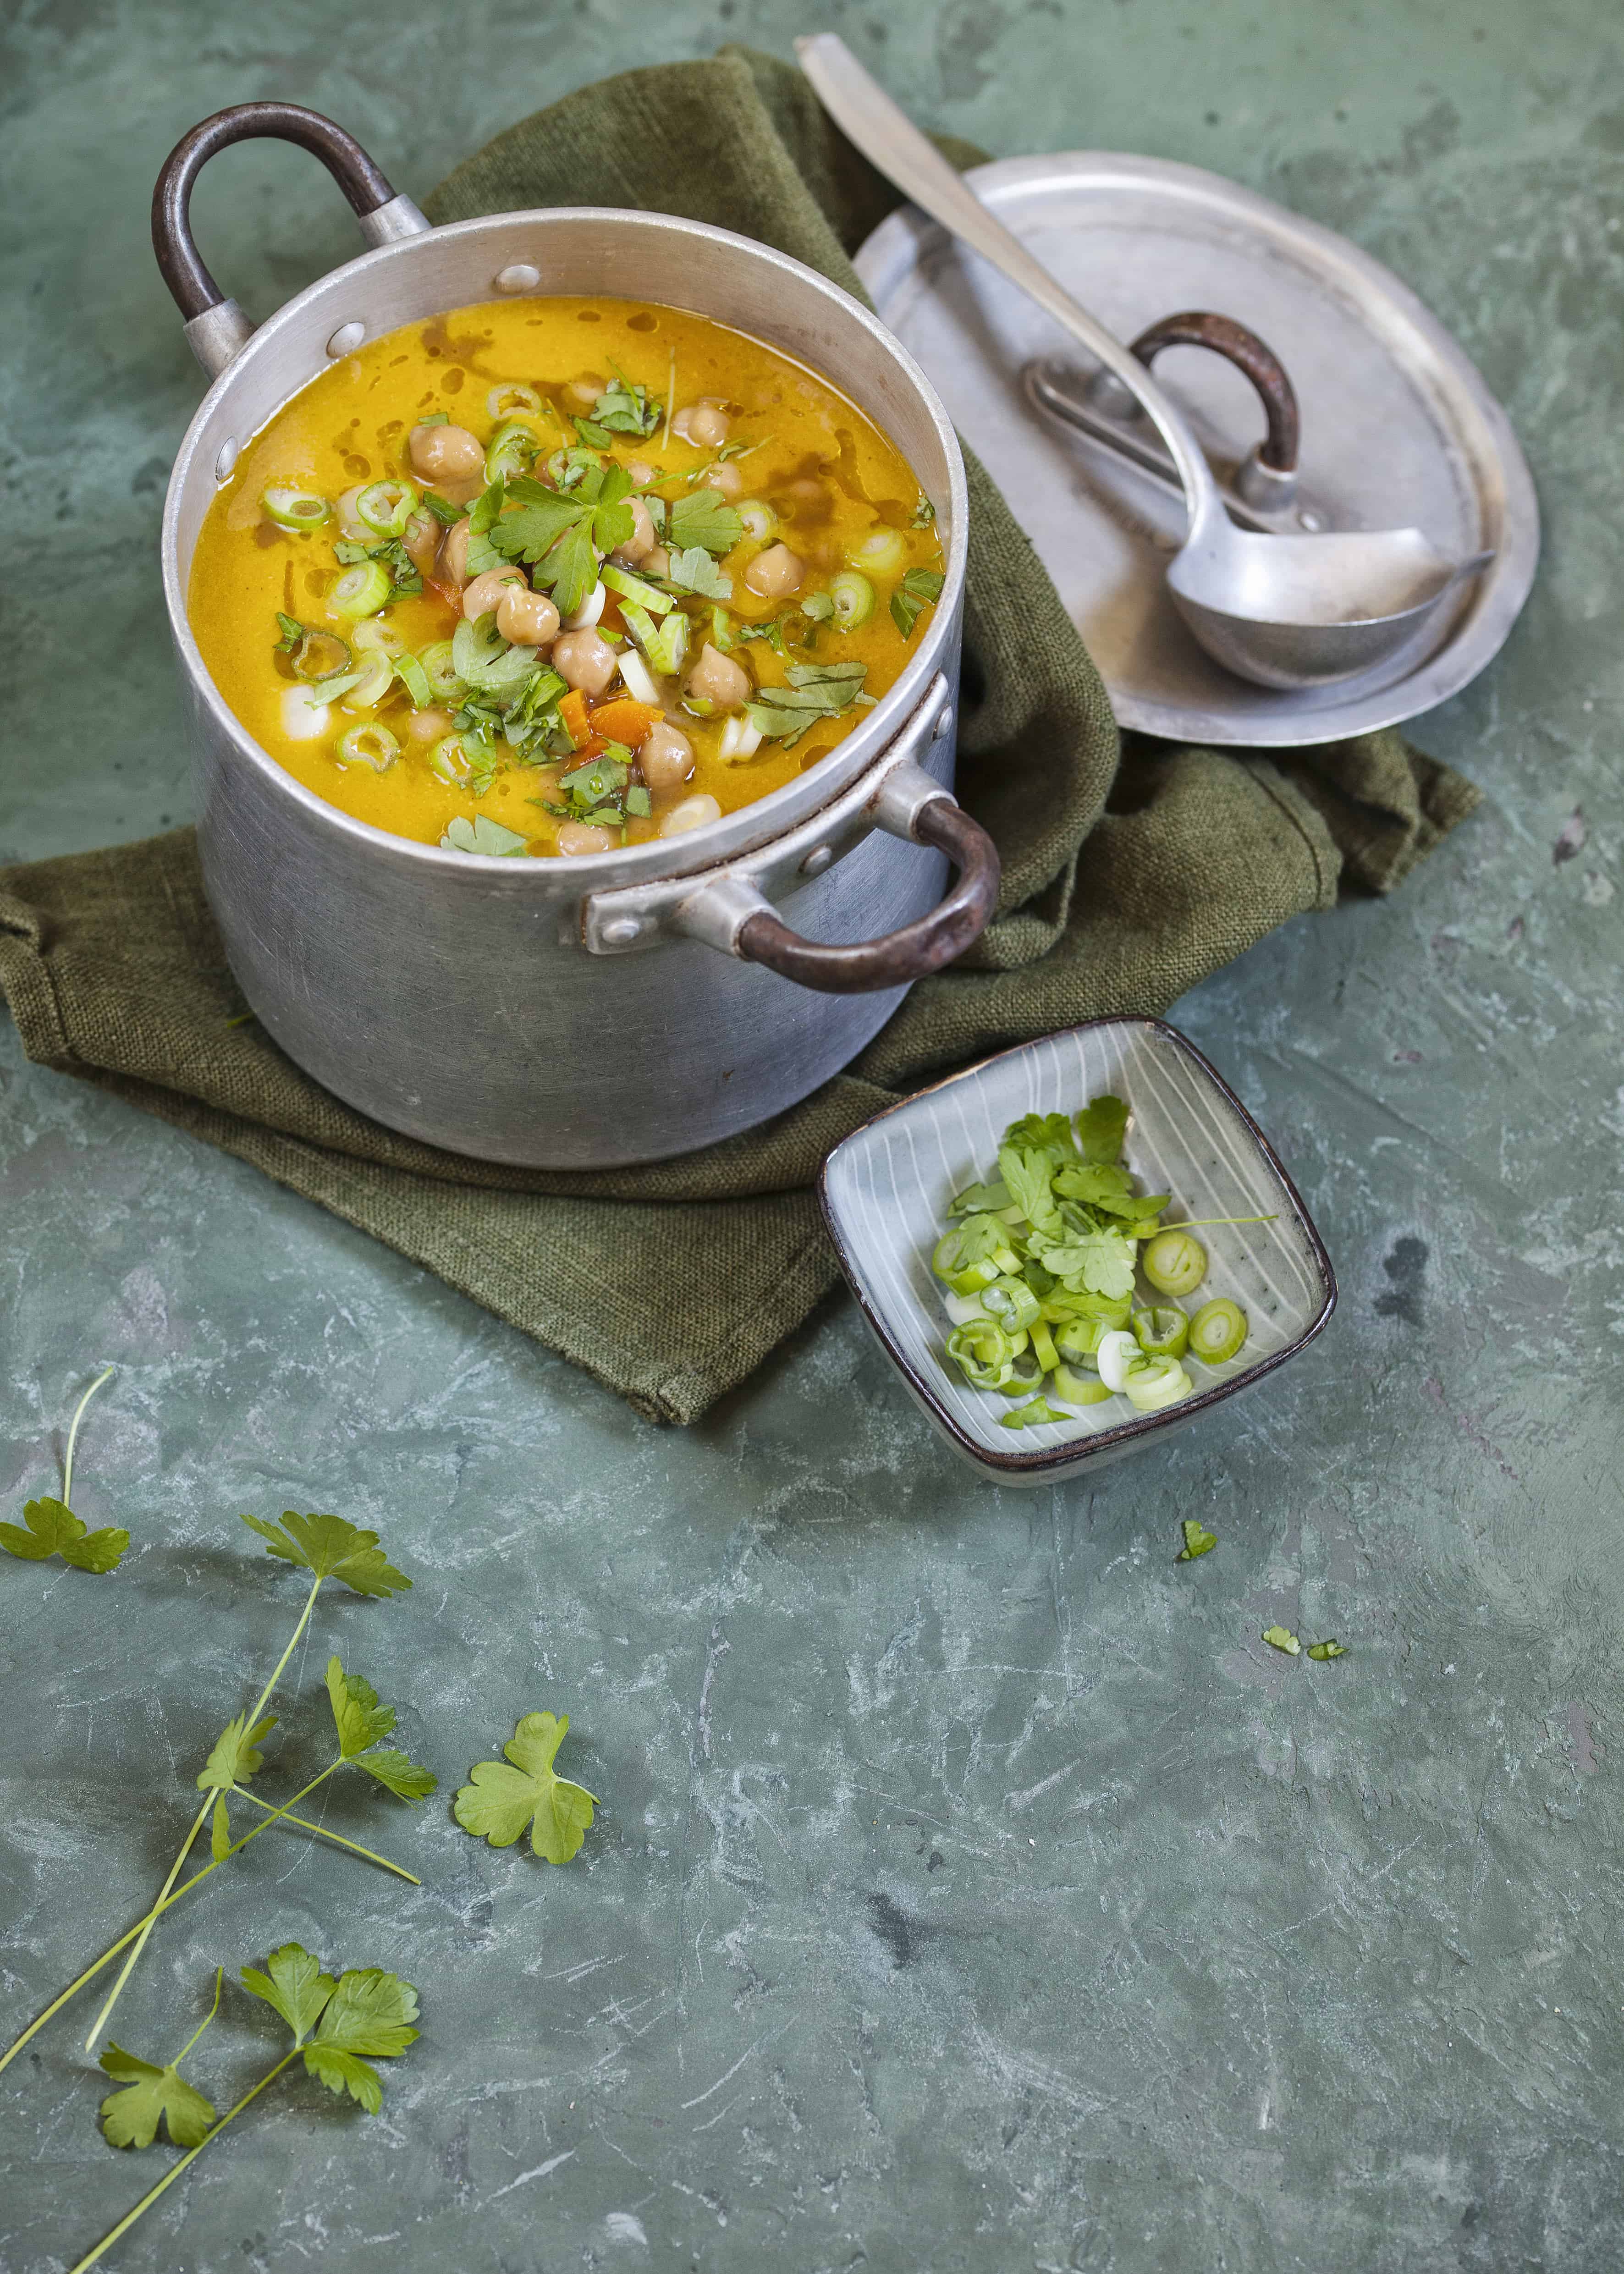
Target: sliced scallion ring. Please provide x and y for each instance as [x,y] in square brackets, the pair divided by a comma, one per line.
[450,759]
[1079,1389]
[385,507]
[1011,1302]
[361,591]
[369,746]
[512,395]
[984,1353]
[372,685]
[1155,1383]
[320,655]
[1163,1331]
[853,598]
[882,551]
[291,509]
[445,682]
[1080,1337]
[1118,1352]
[1173,1264]
[1217,1331]
[375,637]
[511,448]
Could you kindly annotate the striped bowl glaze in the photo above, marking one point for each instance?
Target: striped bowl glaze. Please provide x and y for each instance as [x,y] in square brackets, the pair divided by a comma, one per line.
[886,1187]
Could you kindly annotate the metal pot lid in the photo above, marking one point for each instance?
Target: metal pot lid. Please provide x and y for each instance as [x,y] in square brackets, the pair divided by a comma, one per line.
[1397,424]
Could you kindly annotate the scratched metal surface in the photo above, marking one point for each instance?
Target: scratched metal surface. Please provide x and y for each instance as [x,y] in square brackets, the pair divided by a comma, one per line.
[973,1888]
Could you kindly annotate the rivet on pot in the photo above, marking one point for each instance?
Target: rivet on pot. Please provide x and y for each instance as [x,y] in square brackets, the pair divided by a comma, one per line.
[944,723]
[346,340]
[520,278]
[227,459]
[621,932]
[817,859]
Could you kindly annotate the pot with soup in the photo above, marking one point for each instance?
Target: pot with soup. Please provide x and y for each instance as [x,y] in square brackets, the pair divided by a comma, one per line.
[569,606]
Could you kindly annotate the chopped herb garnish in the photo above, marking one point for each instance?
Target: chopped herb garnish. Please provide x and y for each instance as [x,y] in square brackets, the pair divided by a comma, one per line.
[292,633]
[442,509]
[598,437]
[487,662]
[924,513]
[695,571]
[1197,1541]
[918,589]
[433,418]
[482,835]
[815,690]
[1033,1414]
[819,607]
[704,517]
[627,408]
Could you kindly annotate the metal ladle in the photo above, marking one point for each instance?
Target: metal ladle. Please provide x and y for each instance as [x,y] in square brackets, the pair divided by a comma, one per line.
[1283,610]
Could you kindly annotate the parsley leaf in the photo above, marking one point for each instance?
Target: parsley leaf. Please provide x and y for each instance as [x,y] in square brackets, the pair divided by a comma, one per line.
[924,513]
[1101,1128]
[488,663]
[1036,1410]
[592,432]
[333,1549]
[704,517]
[499,1802]
[1329,1648]
[54,1530]
[1027,1171]
[695,571]
[627,408]
[918,589]
[482,835]
[1197,1541]
[1093,1262]
[815,690]
[362,1725]
[131,2118]
[235,1757]
[1282,1638]
[369,2011]
[293,1985]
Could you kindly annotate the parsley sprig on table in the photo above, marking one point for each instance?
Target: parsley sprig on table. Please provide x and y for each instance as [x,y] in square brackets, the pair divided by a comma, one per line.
[52,1528]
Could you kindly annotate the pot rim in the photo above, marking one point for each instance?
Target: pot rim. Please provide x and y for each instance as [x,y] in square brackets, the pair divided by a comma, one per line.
[747,827]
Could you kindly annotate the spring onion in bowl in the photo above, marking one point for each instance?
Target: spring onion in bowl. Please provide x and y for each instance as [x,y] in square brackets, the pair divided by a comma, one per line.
[385,507]
[291,509]
[361,591]
[1041,1266]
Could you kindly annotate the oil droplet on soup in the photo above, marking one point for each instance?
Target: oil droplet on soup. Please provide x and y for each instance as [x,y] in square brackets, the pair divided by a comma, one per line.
[547,576]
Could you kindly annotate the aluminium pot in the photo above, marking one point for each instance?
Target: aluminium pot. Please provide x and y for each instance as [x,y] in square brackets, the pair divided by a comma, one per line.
[626,1005]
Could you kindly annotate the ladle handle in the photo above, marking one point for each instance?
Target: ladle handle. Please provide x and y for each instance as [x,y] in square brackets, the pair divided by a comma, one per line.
[215,326]
[889,140]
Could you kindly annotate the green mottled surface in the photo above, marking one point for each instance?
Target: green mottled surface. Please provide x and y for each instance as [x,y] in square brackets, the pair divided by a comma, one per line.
[973,1888]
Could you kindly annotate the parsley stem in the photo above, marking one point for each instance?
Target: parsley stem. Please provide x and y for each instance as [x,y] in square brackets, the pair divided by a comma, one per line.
[67,1465]
[1197,1222]
[176,2169]
[184,1848]
[337,1838]
[203,2024]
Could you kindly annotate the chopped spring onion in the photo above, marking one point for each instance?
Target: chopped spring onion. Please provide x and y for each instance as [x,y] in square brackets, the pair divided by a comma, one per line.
[1173,1264]
[512,395]
[369,746]
[984,1353]
[962,1308]
[320,655]
[291,509]
[414,678]
[1155,1383]
[385,507]
[377,637]
[1081,1389]
[665,644]
[622,582]
[372,685]
[1217,1331]
[639,679]
[1282,1638]
[882,551]
[1081,1337]
[1329,1648]
[740,738]
[1163,1331]
[446,682]
[450,759]
[1011,1302]
[1118,1352]
[760,522]
[1032,1415]
[361,591]
[852,596]
[512,448]
[583,618]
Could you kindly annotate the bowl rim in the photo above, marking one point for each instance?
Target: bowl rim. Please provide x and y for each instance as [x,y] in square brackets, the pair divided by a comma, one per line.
[734,835]
[1104,1441]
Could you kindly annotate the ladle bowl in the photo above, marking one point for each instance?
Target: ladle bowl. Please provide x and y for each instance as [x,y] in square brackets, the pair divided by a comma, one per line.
[1285,612]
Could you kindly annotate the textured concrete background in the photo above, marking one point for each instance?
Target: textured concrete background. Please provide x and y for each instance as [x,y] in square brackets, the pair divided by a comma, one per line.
[973,1888]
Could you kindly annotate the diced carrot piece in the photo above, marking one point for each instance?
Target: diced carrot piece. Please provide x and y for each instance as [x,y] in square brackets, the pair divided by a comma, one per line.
[626,721]
[572,711]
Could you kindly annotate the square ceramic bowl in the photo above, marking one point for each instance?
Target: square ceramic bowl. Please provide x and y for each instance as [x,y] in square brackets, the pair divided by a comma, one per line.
[886,1187]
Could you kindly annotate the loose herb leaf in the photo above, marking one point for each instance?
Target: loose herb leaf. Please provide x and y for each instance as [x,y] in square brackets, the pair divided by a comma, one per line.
[482,835]
[1101,1128]
[1036,1410]
[499,1801]
[54,1530]
[627,408]
[815,690]
[918,589]
[1282,1638]
[407,1779]
[924,513]
[1094,1263]
[1197,1541]
[131,2118]
[220,1830]
[294,1984]
[442,509]
[1329,1648]
[695,571]
[333,1549]
[362,1723]
[570,570]
[369,2011]
[235,1757]
[292,632]
[541,519]
[704,517]
[1026,1173]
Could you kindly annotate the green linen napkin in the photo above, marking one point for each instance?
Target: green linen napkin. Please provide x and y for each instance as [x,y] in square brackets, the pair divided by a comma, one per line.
[1129,874]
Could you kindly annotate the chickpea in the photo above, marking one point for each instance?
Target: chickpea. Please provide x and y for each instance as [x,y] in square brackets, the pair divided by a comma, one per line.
[666,756]
[422,543]
[485,594]
[657,563]
[585,390]
[776,573]
[716,678]
[578,836]
[691,813]
[641,541]
[641,473]
[445,454]
[428,726]
[705,424]
[583,660]
[725,477]
[453,553]
[528,618]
